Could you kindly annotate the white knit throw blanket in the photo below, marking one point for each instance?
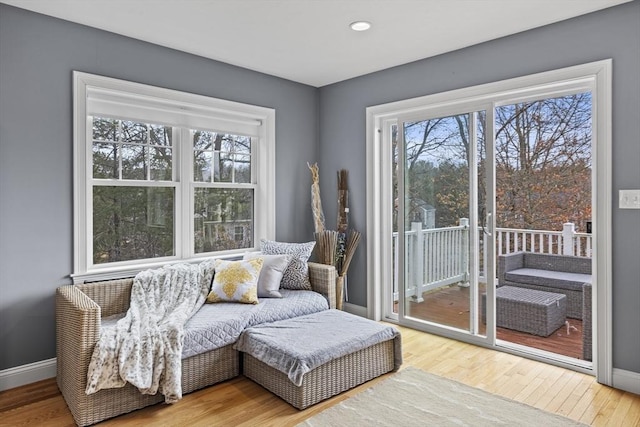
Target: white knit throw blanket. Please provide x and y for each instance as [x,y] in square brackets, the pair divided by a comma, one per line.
[145,347]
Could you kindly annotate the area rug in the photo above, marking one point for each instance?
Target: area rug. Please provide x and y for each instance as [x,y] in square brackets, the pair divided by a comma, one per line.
[413,397]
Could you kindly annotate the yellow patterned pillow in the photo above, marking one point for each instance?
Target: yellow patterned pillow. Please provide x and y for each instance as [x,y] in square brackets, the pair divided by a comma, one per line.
[236,281]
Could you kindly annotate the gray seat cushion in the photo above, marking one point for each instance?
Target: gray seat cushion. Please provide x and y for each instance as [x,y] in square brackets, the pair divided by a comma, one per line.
[548,278]
[220,324]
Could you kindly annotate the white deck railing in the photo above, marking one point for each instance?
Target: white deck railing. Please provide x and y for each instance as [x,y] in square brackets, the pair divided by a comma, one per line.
[430,269]
[440,256]
[565,242]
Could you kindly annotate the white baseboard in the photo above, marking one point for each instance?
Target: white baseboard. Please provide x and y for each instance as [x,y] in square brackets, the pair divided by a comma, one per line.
[27,374]
[358,310]
[626,380]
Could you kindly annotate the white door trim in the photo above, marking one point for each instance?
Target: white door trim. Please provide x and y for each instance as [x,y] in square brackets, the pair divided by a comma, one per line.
[595,76]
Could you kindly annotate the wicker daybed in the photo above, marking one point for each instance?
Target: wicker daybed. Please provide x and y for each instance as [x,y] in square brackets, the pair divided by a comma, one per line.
[79,313]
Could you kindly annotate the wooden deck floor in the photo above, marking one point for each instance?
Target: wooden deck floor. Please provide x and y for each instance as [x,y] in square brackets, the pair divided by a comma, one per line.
[450,306]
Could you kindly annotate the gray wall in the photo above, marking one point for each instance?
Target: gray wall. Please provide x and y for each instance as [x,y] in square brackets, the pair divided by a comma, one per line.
[37,56]
[38,53]
[612,33]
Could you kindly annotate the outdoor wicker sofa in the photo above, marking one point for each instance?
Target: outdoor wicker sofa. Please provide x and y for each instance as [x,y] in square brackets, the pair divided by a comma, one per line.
[562,274]
[80,311]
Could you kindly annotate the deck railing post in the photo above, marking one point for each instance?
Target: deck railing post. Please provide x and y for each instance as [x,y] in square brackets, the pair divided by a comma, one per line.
[418,260]
[568,232]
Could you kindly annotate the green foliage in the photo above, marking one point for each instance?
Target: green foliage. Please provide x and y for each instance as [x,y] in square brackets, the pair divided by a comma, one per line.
[137,222]
[132,223]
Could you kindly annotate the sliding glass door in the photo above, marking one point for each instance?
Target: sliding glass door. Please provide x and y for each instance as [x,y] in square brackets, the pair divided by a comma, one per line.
[543,220]
[440,220]
[523,166]
[459,182]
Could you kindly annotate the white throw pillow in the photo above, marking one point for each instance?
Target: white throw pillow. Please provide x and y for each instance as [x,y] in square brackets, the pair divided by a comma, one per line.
[271,273]
[296,276]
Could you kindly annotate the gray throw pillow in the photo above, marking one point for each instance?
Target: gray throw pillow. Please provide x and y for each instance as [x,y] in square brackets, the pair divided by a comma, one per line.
[271,274]
[296,276]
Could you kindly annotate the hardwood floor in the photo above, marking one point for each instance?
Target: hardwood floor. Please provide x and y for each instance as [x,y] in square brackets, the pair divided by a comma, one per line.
[240,402]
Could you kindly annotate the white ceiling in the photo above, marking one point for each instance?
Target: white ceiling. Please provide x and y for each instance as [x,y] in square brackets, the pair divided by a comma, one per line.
[309,41]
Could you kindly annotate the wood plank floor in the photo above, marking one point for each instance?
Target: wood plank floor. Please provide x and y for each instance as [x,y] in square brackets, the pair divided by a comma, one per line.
[240,402]
[450,306]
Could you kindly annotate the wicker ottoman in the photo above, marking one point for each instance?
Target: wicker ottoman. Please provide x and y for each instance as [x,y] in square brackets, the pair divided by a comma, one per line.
[361,350]
[528,310]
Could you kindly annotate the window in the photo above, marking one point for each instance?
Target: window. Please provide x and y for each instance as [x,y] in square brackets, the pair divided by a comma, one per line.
[164,176]
[239,233]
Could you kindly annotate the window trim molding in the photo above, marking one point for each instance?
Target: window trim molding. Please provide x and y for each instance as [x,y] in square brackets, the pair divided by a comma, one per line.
[166,101]
[598,76]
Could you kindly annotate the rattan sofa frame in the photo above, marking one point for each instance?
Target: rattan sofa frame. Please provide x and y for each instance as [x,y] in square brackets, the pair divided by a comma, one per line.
[551,262]
[79,310]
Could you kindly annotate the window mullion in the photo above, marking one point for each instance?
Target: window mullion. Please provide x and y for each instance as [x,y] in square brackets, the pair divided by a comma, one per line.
[184,208]
[147,153]
[87,172]
[119,146]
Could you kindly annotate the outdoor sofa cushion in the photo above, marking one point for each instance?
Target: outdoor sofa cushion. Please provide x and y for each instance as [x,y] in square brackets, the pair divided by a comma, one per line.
[548,278]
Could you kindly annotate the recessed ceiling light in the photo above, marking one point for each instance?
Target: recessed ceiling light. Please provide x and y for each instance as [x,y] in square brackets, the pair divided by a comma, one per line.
[360,25]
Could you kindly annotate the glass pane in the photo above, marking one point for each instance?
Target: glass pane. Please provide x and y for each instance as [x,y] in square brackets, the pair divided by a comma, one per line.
[203,140]
[202,166]
[145,150]
[543,207]
[242,172]
[132,223]
[220,215]
[227,143]
[224,167]
[395,271]
[134,132]
[221,157]
[105,129]
[242,145]
[134,162]
[160,135]
[484,240]
[436,220]
[161,161]
[105,160]
[543,163]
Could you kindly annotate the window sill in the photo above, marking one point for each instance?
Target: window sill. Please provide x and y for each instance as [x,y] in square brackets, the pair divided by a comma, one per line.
[123,272]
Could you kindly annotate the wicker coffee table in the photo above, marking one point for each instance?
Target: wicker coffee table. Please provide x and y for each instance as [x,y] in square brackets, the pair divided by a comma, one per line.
[528,310]
[348,351]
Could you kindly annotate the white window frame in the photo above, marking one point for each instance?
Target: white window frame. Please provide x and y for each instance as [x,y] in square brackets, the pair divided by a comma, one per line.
[597,77]
[185,111]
